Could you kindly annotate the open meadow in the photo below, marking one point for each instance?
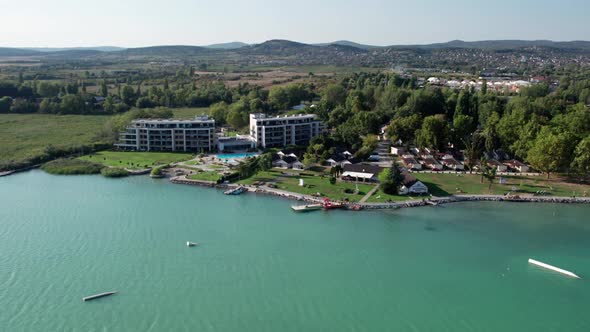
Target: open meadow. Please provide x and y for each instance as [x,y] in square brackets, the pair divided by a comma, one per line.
[24,136]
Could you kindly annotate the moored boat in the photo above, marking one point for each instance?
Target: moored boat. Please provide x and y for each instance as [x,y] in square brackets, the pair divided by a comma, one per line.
[97,296]
[235,191]
[306,208]
[330,205]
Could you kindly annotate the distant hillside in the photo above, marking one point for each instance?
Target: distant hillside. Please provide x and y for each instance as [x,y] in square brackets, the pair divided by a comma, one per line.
[8,51]
[167,51]
[501,44]
[348,43]
[227,46]
[56,49]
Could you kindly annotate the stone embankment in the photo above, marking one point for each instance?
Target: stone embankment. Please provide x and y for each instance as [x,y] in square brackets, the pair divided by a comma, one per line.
[393,205]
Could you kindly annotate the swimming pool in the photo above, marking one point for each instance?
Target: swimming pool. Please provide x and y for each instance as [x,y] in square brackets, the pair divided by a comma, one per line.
[226,156]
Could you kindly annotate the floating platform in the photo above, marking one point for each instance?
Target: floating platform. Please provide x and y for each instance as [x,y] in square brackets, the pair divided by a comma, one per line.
[553,268]
[97,296]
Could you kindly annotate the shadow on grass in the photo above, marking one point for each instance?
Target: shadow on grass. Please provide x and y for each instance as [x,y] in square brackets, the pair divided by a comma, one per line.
[435,190]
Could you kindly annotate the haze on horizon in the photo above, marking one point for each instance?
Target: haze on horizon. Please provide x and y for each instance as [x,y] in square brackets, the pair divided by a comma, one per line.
[135,23]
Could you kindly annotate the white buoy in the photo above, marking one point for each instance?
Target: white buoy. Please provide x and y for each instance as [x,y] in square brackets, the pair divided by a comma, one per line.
[553,268]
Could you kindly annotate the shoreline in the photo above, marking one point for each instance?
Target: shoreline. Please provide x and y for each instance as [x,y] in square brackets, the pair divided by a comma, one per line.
[430,201]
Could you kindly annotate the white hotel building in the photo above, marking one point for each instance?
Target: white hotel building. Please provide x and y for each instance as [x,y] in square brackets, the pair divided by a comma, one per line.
[281,131]
[197,135]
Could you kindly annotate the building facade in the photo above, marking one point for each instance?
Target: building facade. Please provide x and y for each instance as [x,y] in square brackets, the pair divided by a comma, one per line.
[197,135]
[280,131]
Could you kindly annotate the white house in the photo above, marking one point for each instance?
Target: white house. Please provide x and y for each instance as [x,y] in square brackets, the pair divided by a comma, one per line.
[397,150]
[451,163]
[298,165]
[411,185]
[517,165]
[280,163]
[497,165]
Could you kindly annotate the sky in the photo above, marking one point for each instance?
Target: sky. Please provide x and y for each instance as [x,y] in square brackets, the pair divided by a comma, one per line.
[135,23]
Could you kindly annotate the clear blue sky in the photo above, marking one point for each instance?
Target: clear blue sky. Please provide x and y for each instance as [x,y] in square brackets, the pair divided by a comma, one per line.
[130,23]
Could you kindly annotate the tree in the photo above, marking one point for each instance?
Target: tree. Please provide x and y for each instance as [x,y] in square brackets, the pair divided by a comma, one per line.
[391,180]
[404,128]
[104,90]
[5,103]
[581,162]
[47,89]
[72,104]
[237,119]
[128,95]
[278,98]
[473,150]
[333,95]
[434,132]
[265,162]
[490,174]
[219,112]
[551,152]
[463,126]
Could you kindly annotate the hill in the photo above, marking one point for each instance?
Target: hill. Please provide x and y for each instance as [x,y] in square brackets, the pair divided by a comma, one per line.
[348,43]
[167,51]
[8,51]
[61,49]
[227,46]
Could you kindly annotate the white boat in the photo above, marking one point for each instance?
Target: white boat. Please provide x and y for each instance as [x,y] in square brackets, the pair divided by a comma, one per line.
[97,296]
[191,244]
[553,268]
[305,208]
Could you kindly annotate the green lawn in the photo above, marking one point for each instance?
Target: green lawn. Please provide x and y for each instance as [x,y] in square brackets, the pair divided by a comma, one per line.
[26,135]
[448,184]
[136,160]
[381,197]
[205,176]
[313,185]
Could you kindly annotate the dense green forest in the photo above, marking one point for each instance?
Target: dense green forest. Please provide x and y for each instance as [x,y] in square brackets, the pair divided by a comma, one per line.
[546,126]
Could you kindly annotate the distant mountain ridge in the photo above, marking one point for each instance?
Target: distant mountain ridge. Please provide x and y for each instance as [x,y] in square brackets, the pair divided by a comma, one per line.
[286,48]
[60,49]
[227,46]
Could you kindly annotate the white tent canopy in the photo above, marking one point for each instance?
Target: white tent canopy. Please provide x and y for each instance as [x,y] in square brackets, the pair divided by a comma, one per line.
[358,175]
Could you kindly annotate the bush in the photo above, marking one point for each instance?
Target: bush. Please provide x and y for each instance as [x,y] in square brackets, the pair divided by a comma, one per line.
[156,171]
[348,191]
[71,167]
[114,172]
[332,180]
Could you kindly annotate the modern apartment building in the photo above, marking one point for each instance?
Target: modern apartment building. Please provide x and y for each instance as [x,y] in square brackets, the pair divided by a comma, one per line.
[197,135]
[280,131]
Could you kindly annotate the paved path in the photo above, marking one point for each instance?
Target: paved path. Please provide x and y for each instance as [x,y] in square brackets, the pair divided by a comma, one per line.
[369,194]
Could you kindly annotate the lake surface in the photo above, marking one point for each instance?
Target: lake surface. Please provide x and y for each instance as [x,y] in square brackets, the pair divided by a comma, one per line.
[261,267]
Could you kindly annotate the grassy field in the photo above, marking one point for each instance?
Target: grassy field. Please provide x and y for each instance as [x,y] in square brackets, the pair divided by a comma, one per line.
[205,176]
[381,197]
[448,184]
[136,160]
[26,135]
[313,184]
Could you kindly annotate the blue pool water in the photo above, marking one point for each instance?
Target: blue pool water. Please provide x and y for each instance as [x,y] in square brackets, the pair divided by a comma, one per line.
[226,156]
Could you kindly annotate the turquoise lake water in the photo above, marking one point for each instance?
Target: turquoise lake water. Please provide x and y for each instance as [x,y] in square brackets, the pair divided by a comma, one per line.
[261,267]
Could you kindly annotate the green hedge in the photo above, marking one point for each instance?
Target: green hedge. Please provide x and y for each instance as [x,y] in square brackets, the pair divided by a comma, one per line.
[71,167]
[114,172]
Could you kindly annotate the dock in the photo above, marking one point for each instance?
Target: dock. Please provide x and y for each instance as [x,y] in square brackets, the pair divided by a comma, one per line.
[97,296]
[553,268]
